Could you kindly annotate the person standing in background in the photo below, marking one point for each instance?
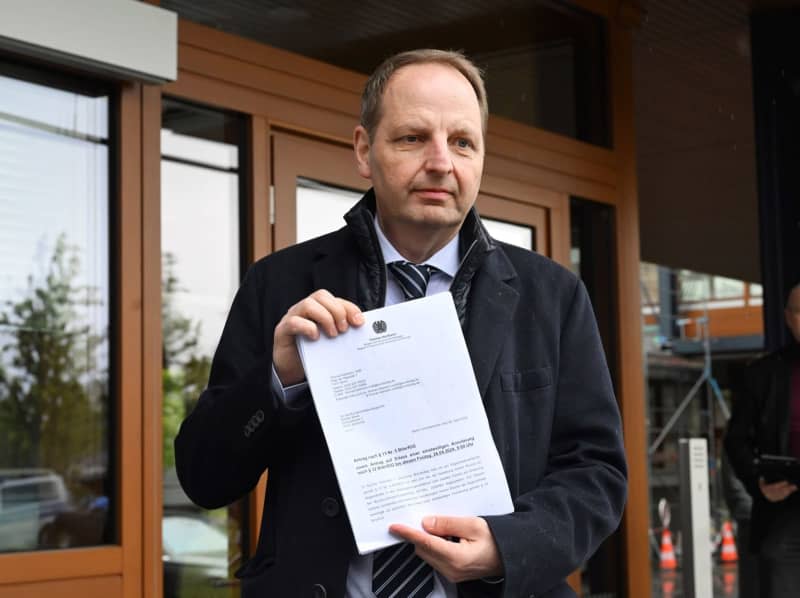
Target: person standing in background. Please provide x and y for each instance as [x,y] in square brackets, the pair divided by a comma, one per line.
[766,420]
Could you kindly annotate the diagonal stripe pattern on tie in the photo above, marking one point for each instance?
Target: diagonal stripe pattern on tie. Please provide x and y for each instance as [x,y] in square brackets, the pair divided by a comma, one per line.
[399,573]
[413,279]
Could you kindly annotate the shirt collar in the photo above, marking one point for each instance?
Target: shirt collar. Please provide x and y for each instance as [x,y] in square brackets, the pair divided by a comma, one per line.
[446,259]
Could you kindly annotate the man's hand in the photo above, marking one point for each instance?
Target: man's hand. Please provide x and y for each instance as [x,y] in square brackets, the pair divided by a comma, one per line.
[319,310]
[777,491]
[474,556]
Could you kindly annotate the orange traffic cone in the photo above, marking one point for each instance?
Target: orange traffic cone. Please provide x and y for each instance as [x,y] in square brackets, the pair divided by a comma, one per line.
[728,552]
[667,554]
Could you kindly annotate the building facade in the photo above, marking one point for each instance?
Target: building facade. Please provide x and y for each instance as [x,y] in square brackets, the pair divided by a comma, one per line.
[131,209]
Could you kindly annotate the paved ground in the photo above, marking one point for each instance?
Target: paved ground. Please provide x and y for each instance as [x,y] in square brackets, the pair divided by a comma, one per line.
[669,584]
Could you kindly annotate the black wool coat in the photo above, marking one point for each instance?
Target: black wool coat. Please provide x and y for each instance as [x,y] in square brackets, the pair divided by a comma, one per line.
[541,372]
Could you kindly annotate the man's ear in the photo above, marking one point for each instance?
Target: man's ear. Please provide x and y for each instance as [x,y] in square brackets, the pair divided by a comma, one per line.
[361,147]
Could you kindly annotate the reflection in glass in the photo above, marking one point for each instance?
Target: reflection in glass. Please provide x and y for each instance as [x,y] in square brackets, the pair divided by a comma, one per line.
[321,208]
[200,243]
[55,487]
[514,234]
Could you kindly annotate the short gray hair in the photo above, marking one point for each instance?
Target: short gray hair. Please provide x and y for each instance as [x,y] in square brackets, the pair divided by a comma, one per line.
[375,87]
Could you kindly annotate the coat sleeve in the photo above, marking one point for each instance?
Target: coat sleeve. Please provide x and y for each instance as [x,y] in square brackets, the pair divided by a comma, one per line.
[738,499]
[236,427]
[740,439]
[579,500]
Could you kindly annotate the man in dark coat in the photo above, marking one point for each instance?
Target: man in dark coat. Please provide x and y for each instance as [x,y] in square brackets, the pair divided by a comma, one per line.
[532,339]
[766,421]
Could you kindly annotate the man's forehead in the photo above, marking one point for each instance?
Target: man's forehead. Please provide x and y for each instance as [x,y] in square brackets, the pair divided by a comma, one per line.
[411,87]
[406,79]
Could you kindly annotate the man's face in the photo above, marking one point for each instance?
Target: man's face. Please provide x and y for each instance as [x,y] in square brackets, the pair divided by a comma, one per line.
[426,156]
[792,314]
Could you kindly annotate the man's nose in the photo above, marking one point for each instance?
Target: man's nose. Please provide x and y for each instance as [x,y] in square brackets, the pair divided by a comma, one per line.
[438,158]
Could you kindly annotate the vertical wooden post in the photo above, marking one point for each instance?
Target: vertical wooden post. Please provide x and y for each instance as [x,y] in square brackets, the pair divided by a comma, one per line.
[129,340]
[152,465]
[636,520]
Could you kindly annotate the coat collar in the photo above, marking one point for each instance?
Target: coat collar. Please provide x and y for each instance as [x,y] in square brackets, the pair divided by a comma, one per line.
[335,266]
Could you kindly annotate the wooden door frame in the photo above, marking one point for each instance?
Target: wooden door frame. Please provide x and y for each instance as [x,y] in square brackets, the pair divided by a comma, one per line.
[495,207]
[636,522]
[295,156]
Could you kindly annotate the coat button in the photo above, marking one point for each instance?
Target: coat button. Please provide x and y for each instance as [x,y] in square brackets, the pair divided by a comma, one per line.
[319,591]
[330,507]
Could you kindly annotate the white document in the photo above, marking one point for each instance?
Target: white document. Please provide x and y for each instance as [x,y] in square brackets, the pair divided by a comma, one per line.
[403,420]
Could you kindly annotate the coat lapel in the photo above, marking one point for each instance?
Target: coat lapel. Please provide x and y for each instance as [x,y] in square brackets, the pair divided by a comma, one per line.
[492,303]
[336,268]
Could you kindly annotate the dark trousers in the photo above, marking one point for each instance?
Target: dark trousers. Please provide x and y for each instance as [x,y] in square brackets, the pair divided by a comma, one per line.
[748,575]
[780,557]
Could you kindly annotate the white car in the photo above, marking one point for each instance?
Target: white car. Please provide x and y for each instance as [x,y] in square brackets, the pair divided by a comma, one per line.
[29,500]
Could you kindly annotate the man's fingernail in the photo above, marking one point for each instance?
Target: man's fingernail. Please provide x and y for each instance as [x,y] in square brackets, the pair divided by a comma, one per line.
[429,522]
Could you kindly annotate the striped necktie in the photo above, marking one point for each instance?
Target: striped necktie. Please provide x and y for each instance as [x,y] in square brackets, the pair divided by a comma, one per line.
[397,572]
[413,279]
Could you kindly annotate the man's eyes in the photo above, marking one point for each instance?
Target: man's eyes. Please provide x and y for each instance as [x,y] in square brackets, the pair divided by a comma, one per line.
[459,142]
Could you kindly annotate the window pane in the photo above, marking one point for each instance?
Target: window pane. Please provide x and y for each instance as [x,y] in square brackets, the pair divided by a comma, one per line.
[200,244]
[321,208]
[55,487]
[546,68]
[648,275]
[514,234]
[728,288]
[694,286]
